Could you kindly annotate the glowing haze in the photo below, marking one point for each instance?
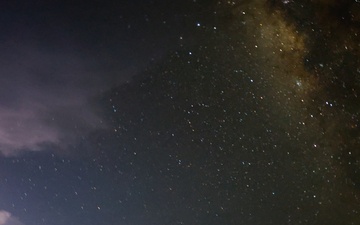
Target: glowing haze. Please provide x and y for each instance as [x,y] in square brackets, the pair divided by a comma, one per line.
[7,219]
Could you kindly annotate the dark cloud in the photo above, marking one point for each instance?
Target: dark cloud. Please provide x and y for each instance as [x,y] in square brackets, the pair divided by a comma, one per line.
[56,57]
[45,99]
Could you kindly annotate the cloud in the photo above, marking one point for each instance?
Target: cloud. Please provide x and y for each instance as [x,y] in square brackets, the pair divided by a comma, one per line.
[7,219]
[45,99]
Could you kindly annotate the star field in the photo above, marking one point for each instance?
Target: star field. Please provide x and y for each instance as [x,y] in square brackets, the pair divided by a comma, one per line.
[203,112]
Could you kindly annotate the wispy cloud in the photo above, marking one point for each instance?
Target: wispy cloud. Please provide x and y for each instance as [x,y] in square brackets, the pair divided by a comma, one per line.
[7,219]
[45,99]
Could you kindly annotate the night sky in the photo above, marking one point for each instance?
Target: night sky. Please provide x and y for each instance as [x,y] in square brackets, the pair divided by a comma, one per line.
[192,112]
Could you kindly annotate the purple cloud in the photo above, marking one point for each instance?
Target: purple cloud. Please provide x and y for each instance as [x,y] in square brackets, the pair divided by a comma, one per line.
[45,99]
[7,219]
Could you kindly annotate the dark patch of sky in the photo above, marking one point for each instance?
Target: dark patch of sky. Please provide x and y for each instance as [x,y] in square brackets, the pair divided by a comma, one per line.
[56,56]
